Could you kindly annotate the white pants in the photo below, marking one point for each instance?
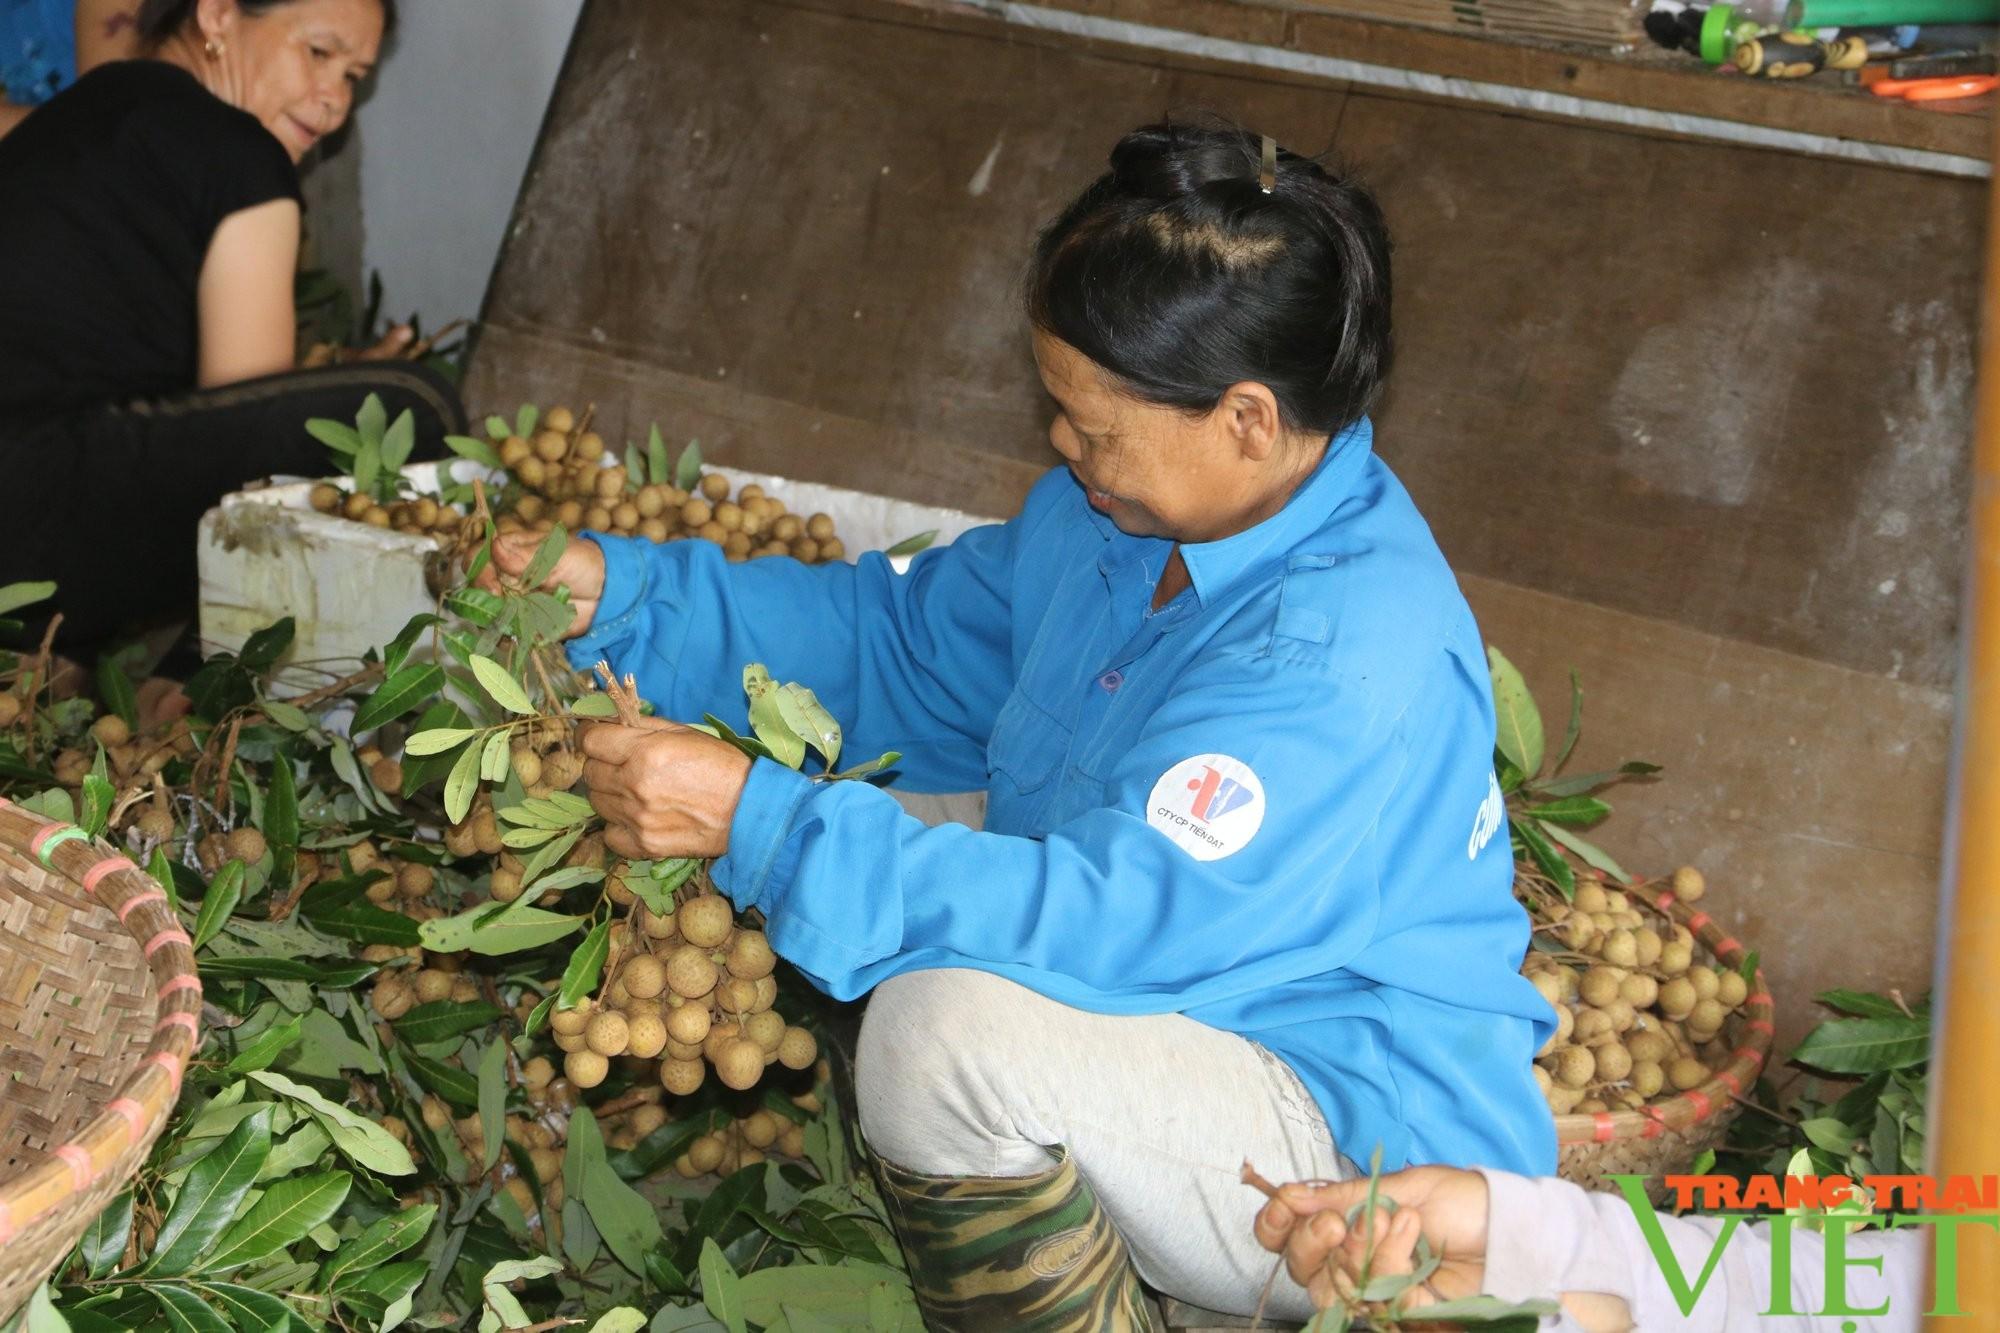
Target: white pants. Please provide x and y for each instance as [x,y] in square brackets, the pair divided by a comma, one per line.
[963,1073]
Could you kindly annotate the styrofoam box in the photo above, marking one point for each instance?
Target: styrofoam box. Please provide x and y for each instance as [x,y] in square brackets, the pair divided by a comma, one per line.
[266,553]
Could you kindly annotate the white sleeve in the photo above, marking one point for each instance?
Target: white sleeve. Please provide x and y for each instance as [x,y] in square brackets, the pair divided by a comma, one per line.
[1546,1237]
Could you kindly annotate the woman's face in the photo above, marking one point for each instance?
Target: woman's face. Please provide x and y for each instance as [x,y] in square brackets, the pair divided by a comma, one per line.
[1160,472]
[296,65]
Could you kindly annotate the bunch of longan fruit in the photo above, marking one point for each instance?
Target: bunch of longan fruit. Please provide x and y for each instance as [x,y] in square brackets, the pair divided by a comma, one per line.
[1636,1015]
[690,989]
[539,1136]
[420,516]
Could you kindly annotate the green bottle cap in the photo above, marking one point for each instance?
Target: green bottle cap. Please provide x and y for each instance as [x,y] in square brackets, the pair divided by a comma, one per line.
[1715,33]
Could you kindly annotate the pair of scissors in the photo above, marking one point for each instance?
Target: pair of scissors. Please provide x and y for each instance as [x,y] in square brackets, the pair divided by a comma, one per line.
[1936,90]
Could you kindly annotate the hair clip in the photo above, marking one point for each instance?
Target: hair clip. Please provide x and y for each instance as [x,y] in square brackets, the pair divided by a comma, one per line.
[1267,177]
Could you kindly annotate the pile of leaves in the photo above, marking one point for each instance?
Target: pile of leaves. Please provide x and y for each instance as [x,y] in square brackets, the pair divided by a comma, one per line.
[334,1163]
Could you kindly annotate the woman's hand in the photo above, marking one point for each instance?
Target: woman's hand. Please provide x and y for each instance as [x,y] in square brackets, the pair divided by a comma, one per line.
[1308,1225]
[666,790]
[580,569]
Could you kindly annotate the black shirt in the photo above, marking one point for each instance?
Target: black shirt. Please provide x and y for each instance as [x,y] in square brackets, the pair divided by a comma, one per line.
[109,196]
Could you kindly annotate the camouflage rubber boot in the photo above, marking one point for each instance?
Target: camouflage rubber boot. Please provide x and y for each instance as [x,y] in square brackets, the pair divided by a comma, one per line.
[1026,1254]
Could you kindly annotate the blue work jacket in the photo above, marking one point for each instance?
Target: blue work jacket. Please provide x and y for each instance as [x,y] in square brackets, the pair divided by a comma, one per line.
[1268,805]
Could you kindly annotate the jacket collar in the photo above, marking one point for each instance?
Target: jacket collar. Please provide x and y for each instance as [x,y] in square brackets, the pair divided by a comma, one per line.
[1214,566]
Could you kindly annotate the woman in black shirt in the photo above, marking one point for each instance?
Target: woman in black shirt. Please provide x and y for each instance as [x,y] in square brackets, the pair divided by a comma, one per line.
[149,233]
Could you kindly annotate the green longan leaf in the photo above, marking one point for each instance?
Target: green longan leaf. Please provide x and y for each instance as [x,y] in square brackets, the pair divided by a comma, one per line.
[1828,1133]
[659,468]
[1747,969]
[386,1238]
[366,1143]
[288,1210]
[635,461]
[1575,728]
[1520,722]
[1592,854]
[372,419]
[720,1287]
[323,974]
[249,1310]
[519,839]
[768,721]
[1576,811]
[476,606]
[402,691]
[539,1015]
[397,441]
[454,1085]
[493,934]
[544,560]
[273,1042]
[185,1311]
[493,764]
[687,472]
[1489,1311]
[461,785]
[103,1242]
[114,687]
[912,545]
[224,891]
[497,428]
[212,1192]
[478,450]
[262,650]
[808,718]
[338,436]
[1543,854]
[281,821]
[493,1099]
[500,685]
[1556,788]
[98,797]
[585,967]
[595,704]
[364,923]
[525,419]
[439,739]
[1860,1004]
[872,767]
[624,1319]
[439,1019]
[1866,1045]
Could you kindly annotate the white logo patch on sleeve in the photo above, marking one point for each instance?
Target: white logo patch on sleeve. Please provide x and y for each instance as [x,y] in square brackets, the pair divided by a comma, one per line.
[1210,805]
[1486,821]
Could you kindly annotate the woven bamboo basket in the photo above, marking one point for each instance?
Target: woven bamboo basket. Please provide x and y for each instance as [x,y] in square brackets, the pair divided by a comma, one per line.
[99,1015]
[1664,1137]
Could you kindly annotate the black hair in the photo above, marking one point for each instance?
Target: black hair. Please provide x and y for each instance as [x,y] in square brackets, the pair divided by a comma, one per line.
[161,19]
[1179,275]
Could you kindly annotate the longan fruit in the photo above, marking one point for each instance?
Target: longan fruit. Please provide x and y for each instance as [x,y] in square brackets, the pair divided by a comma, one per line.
[682,1077]
[690,972]
[808,1102]
[647,1036]
[1647,1078]
[110,730]
[1686,1073]
[505,885]
[570,514]
[1620,948]
[740,1064]
[1647,1044]
[436,1115]
[705,921]
[1564,1100]
[644,976]
[792,1140]
[766,1029]
[1706,983]
[1614,1062]
[1565,1024]
[657,927]
[706,1151]
[736,545]
[381,892]
[247,844]
[589,447]
[787,528]
[392,998]
[1639,991]
[715,486]
[1731,989]
[387,775]
[677,1050]
[414,880]
[608,484]
[1590,1025]
[1648,944]
[1678,998]
[325,497]
[625,515]
[1599,986]
[736,995]
[819,527]
[571,1022]
[608,1033]
[527,764]
[651,501]
[797,1049]
[459,841]
[551,446]
[719,1036]
[486,833]
[10,709]
[536,1073]
[832,549]
[1676,957]
[689,1024]
[1706,1018]
[730,516]
[597,518]
[1615,901]
[357,505]
[805,550]
[585,1068]
[1622,1015]
[695,513]
[750,956]
[760,1128]
[653,529]
[571,1041]
[1575,1066]
[767,994]
[432,985]
[560,419]
[712,531]
[153,825]
[563,769]
[1689,884]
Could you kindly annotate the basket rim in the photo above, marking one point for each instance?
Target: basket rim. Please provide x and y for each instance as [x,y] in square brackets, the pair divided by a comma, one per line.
[124,1131]
[1719,1093]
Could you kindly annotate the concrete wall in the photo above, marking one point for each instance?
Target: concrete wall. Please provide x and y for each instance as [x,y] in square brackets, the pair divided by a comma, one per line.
[444,139]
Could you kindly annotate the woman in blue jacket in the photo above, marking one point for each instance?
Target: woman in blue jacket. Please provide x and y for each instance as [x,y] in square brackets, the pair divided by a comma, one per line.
[1243,888]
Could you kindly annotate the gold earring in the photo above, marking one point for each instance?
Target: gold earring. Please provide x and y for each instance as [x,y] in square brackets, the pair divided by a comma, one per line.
[214,48]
